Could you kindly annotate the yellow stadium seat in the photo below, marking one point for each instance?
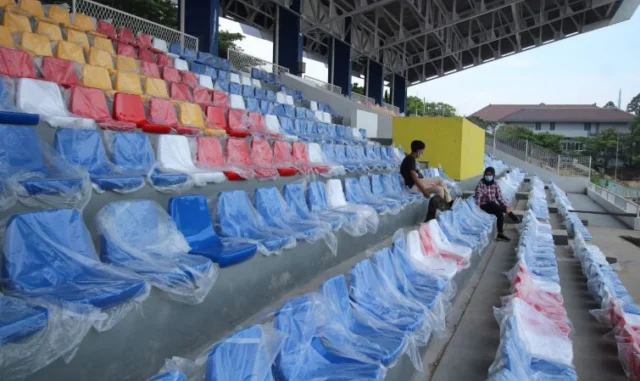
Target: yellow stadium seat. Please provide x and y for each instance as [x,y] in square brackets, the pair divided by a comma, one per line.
[190,115]
[52,31]
[70,51]
[6,40]
[17,23]
[99,57]
[104,44]
[128,64]
[128,83]
[32,7]
[83,22]
[98,77]
[35,44]
[78,37]
[7,4]
[59,15]
[156,88]
[214,132]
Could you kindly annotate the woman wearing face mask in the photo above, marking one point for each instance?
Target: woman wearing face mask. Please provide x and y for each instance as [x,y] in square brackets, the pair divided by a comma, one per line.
[489,198]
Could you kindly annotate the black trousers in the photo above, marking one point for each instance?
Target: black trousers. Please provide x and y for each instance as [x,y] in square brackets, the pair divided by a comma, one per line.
[498,211]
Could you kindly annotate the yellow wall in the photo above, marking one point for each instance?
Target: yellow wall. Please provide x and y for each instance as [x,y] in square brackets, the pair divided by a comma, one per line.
[446,139]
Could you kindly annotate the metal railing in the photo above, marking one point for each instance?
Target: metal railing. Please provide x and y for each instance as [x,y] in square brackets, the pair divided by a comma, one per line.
[620,188]
[390,107]
[563,165]
[362,99]
[620,201]
[136,24]
[325,85]
[245,62]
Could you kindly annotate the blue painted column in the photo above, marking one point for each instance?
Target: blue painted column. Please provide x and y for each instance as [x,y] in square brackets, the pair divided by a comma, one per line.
[287,42]
[399,92]
[201,20]
[374,84]
[340,61]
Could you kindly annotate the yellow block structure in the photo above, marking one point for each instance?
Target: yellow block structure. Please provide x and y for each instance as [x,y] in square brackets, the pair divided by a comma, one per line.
[453,142]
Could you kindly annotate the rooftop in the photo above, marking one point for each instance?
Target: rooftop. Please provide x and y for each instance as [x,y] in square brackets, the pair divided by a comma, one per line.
[553,113]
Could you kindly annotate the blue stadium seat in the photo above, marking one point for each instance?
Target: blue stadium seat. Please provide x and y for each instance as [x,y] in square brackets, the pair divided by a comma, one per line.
[365,184]
[309,114]
[275,212]
[295,198]
[189,54]
[22,155]
[174,375]
[253,105]
[175,48]
[303,355]
[19,319]
[321,130]
[332,134]
[417,278]
[278,110]
[84,148]
[340,131]
[140,236]
[193,219]
[222,74]
[355,194]
[243,355]
[301,113]
[340,155]
[271,96]
[257,73]
[352,158]
[376,342]
[248,91]
[132,152]
[317,201]
[56,242]
[379,189]
[289,111]
[395,183]
[266,108]
[198,68]
[236,217]
[222,84]
[261,94]
[287,125]
[205,58]
[235,88]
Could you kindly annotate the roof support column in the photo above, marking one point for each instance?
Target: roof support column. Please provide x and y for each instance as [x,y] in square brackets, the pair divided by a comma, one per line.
[340,61]
[287,42]
[399,92]
[374,83]
[201,20]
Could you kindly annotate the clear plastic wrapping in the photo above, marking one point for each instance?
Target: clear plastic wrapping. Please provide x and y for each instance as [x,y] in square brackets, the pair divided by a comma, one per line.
[140,237]
[366,215]
[317,158]
[174,155]
[428,263]
[262,160]
[209,156]
[435,243]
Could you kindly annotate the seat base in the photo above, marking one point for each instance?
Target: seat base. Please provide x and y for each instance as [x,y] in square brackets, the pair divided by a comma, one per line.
[52,186]
[287,171]
[116,182]
[228,254]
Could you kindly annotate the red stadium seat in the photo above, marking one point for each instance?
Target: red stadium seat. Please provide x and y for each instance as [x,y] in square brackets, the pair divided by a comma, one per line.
[220,99]
[180,91]
[146,55]
[59,71]
[257,127]
[143,41]
[129,108]
[91,103]
[299,152]
[189,78]
[238,123]
[170,74]
[282,158]
[202,96]
[216,117]
[149,69]
[125,35]
[162,111]
[106,28]
[123,49]
[237,156]
[164,60]
[15,63]
[262,159]
[209,152]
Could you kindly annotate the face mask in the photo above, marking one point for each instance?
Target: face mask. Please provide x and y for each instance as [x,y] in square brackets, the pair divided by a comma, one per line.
[488,178]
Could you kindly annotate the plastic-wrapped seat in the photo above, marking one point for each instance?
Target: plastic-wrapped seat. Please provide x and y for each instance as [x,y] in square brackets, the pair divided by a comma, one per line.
[190,79]
[60,71]
[101,58]
[84,148]
[129,108]
[44,98]
[149,70]
[17,22]
[19,319]
[238,156]
[283,159]
[78,37]
[98,77]
[367,216]
[128,83]
[35,44]
[104,44]
[173,375]
[126,50]
[202,96]
[181,92]
[217,118]
[158,253]
[301,159]
[125,35]
[435,243]
[393,205]
[163,112]
[156,88]
[146,55]
[192,217]
[91,103]
[6,39]
[51,31]
[220,99]
[261,158]
[14,63]
[174,155]
[238,123]
[171,74]
[237,219]
[304,356]
[70,51]
[380,188]
[356,195]
[294,195]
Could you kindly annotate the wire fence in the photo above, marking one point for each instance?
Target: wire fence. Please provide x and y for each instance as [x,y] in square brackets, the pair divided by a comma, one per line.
[135,23]
[563,165]
[325,85]
[362,99]
[245,62]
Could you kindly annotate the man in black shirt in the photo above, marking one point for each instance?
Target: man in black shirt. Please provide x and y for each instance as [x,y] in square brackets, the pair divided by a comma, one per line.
[414,180]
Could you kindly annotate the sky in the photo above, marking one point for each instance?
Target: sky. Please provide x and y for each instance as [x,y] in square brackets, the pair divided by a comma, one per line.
[584,69]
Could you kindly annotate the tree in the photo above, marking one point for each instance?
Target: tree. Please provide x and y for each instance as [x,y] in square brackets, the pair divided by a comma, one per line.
[634,105]
[387,96]
[610,104]
[163,12]
[355,88]
[439,109]
[482,123]
[228,40]
[415,106]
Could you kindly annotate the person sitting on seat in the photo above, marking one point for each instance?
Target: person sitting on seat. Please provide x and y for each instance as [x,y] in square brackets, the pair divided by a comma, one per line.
[414,180]
[436,204]
[489,198]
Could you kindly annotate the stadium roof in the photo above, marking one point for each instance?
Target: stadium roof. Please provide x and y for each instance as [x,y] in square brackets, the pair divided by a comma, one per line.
[426,39]
[552,113]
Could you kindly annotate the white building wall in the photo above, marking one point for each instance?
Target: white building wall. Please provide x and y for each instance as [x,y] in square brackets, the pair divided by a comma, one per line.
[575,130]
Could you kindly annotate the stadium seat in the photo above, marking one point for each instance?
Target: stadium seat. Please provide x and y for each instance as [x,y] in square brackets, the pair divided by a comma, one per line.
[294,195]
[365,184]
[205,81]
[106,28]
[150,70]
[205,58]
[220,99]
[304,355]
[253,105]
[38,241]
[44,98]
[127,64]
[91,103]
[190,79]
[146,55]
[20,320]
[128,83]
[217,118]
[355,194]
[162,112]
[59,14]
[170,74]
[180,91]
[60,71]
[160,45]
[126,50]
[6,39]
[174,155]
[192,217]
[51,31]
[318,162]
[14,63]
[180,64]
[101,58]
[143,41]
[191,117]
[125,35]
[301,159]
[202,96]
[69,51]
[381,189]
[237,156]
[35,44]
[236,101]
[435,244]
[238,123]
[16,22]
[132,152]
[84,148]
[129,108]
[256,125]
[98,77]
[236,218]
[173,375]
[104,44]
[262,159]
[209,152]
[83,22]
[79,38]
[283,159]
[158,254]
[156,88]
[164,60]
[244,355]
[417,278]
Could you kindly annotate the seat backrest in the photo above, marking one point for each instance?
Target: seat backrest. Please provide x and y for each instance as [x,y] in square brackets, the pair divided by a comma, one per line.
[386,266]
[180,64]
[253,105]
[286,124]
[163,59]
[353,191]
[329,151]
[162,111]
[234,214]
[297,319]
[173,153]
[149,69]
[336,293]
[180,91]
[126,50]
[40,97]
[59,71]
[78,37]
[220,99]
[84,22]
[132,151]
[317,196]
[255,122]
[299,153]
[335,194]
[201,95]
[261,153]
[156,88]
[20,150]
[146,55]
[363,276]
[377,187]
[282,154]
[143,40]
[388,184]
[351,153]
[340,153]
[248,91]
[128,83]
[160,44]
[89,103]
[126,63]
[294,197]
[35,44]
[106,28]
[235,88]
[365,183]
[190,79]
[316,155]
[104,44]
[205,81]
[238,119]
[52,31]
[32,7]
[237,152]
[236,101]
[216,117]
[209,152]
[59,14]
[125,35]
[266,107]
[98,77]
[128,108]
[171,74]
[54,241]
[17,22]
[270,204]
[191,115]
[6,39]
[99,57]
[82,147]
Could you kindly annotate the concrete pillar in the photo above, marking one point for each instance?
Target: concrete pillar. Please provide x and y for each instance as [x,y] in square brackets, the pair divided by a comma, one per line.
[287,42]
[374,84]
[399,92]
[340,61]
[201,20]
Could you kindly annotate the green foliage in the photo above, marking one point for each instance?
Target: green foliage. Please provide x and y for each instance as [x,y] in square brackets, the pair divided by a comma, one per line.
[610,104]
[481,122]
[415,106]
[634,105]
[355,88]
[228,40]
[545,139]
